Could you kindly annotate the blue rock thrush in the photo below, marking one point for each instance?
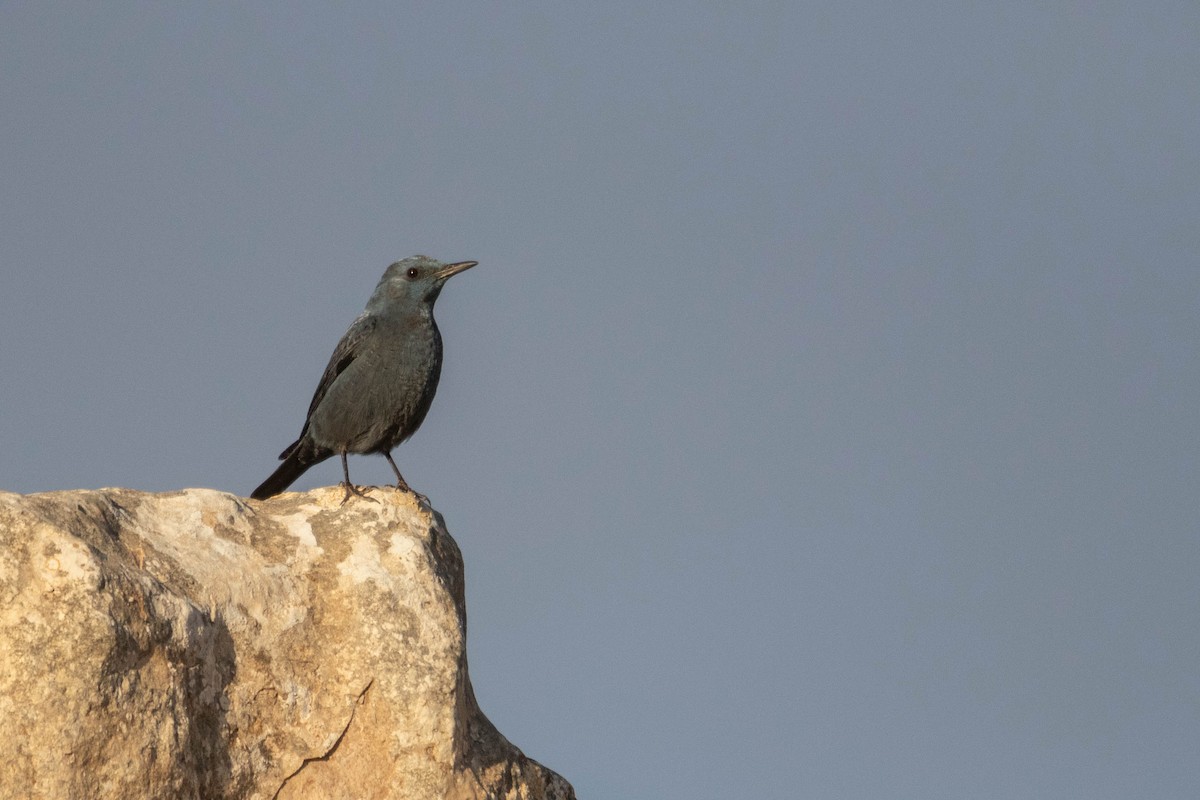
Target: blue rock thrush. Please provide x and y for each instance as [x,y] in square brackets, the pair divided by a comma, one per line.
[380,380]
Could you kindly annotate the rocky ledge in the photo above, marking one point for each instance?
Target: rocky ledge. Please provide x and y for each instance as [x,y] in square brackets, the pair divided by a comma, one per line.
[194,644]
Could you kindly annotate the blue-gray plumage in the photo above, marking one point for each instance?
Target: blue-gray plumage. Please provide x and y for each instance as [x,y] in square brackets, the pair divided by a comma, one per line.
[380,380]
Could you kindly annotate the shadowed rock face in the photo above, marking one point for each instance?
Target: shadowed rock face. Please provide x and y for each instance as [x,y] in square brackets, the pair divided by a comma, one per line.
[194,645]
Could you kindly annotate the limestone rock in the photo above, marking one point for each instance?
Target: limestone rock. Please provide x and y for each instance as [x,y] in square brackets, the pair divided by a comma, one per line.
[196,645]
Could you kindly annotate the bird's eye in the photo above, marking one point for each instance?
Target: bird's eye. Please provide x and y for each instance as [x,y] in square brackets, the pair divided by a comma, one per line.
[413,272]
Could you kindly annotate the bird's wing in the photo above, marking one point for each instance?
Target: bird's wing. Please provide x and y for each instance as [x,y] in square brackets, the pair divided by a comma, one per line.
[346,351]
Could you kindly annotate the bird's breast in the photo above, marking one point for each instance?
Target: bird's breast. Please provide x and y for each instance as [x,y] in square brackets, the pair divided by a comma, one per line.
[383,395]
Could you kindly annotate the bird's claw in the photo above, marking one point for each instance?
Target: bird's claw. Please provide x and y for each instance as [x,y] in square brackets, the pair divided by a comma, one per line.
[359,491]
[403,486]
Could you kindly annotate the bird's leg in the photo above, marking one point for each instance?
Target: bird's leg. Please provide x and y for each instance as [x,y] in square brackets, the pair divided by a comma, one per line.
[350,487]
[402,484]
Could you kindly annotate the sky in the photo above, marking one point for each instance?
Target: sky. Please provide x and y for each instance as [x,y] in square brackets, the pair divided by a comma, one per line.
[821,418]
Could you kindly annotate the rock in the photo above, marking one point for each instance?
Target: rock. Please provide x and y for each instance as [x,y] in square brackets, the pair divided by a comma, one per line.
[196,645]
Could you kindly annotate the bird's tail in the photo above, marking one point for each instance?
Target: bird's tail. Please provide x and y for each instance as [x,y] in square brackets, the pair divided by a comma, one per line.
[295,461]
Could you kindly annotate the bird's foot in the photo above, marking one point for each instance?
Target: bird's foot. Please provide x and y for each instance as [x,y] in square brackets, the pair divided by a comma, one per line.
[403,486]
[359,491]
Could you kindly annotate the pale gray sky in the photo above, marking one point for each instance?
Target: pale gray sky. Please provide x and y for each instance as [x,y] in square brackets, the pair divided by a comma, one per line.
[821,420]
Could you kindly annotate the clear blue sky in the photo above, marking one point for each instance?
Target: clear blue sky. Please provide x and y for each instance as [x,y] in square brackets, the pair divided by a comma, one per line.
[822,418]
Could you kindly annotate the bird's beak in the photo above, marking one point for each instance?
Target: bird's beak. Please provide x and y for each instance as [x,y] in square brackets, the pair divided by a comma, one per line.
[453,269]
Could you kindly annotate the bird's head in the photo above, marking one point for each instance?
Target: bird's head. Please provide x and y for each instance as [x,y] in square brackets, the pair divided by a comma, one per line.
[414,281]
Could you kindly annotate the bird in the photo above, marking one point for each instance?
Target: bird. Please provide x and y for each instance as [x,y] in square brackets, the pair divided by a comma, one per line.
[380,380]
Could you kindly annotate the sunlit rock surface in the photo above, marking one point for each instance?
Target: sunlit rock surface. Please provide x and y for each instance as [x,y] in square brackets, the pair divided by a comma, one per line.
[196,645]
